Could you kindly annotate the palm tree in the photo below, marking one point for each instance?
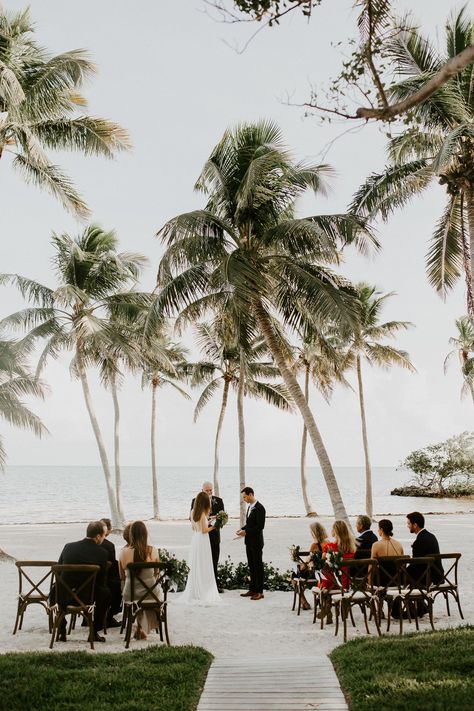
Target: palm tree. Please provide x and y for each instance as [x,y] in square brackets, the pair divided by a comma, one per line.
[364,342]
[247,245]
[16,382]
[440,144]
[319,358]
[39,103]
[463,347]
[74,316]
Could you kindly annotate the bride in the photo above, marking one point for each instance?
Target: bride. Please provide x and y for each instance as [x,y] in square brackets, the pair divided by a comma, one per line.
[201,587]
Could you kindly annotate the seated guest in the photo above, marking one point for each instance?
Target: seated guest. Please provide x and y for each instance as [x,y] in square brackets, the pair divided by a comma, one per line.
[425,544]
[139,552]
[113,576]
[366,537]
[386,547]
[344,542]
[320,537]
[88,551]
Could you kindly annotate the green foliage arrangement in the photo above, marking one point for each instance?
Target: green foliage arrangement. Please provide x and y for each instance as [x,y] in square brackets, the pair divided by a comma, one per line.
[177,570]
[236,577]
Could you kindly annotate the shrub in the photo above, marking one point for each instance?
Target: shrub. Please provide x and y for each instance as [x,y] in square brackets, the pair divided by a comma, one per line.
[236,577]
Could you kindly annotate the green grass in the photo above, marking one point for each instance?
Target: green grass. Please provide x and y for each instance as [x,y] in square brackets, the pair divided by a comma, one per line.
[431,671]
[153,679]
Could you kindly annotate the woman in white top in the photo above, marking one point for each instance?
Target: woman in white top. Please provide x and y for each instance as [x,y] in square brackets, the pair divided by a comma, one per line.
[201,586]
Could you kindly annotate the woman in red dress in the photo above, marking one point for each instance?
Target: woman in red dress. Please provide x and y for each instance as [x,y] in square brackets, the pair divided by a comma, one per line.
[344,542]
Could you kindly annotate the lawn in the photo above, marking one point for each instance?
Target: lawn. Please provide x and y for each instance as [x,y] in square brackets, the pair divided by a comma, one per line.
[431,671]
[157,678]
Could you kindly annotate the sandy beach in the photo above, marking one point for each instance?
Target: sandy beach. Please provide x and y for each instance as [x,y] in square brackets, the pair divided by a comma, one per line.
[267,627]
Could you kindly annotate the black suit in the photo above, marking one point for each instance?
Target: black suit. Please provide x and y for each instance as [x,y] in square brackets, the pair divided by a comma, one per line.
[215,536]
[426,544]
[253,528]
[113,578]
[364,542]
[87,552]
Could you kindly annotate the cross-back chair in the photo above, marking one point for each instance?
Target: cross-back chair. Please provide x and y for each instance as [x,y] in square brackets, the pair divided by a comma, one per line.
[35,579]
[414,582]
[74,588]
[387,583]
[146,596]
[356,590]
[448,585]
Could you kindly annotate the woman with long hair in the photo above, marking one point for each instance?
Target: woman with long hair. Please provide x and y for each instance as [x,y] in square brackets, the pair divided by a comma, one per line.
[320,538]
[139,551]
[344,542]
[201,586]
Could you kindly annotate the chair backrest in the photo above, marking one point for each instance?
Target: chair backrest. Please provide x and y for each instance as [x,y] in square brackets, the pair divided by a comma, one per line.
[450,573]
[415,573]
[358,577]
[153,592]
[75,584]
[35,578]
[386,574]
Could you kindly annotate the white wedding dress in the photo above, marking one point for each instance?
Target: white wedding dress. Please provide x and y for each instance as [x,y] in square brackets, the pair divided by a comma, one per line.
[201,588]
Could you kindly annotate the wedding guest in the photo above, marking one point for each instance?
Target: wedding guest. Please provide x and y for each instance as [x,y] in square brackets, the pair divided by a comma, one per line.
[215,535]
[366,538]
[126,534]
[320,537]
[88,551]
[113,577]
[253,534]
[139,552]
[387,545]
[425,544]
[344,542]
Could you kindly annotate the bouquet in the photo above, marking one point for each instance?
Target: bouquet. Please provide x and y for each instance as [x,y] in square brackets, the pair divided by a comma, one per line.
[295,553]
[316,562]
[221,519]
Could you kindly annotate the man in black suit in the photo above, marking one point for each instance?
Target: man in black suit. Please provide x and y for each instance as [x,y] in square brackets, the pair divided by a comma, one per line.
[215,536]
[366,537]
[425,544]
[88,551]
[113,577]
[253,533]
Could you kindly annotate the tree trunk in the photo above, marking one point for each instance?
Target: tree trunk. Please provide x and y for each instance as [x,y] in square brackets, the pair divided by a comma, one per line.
[470,219]
[368,471]
[240,413]
[154,477]
[466,253]
[297,395]
[116,522]
[304,482]
[118,474]
[220,421]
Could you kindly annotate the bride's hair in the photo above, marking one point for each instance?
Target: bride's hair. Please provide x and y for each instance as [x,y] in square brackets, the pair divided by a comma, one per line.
[202,504]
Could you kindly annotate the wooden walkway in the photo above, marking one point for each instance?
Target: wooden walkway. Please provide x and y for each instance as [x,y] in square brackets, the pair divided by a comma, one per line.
[272,684]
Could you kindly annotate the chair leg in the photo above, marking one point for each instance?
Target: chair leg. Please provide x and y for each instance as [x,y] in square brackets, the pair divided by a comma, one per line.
[300,592]
[17,619]
[128,633]
[456,597]
[56,625]
[352,616]
[446,596]
[336,612]
[364,612]
[165,622]
[429,602]
[294,595]
[90,623]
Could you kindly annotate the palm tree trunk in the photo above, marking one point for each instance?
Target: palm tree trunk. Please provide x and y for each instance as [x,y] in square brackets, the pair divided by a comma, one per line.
[100,442]
[220,421]
[368,470]
[241,421]
[304,482]
[467,261]
[297,395]
[154,477]
[470,219]
[118,474]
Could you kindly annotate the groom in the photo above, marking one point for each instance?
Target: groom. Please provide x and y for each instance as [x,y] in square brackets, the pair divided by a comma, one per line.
[253,533]
[215,536]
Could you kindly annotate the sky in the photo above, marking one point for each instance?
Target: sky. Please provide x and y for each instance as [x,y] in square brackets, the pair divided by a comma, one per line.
[171,75]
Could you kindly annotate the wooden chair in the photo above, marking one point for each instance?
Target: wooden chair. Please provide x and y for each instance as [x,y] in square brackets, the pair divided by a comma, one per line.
[74,588]
[449,583]
[387,584]
[356,590]
[73,620]
[32,591]
[301,583]
[414,582]
[152,597]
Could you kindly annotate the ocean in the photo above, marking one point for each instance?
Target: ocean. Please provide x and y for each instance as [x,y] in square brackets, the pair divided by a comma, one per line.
[53,494]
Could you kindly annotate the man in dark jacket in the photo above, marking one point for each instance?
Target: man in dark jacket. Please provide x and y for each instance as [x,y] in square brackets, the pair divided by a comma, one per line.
[366,537]
[113,576]
[253,533]
[215,536]
[88,551]
[425,544]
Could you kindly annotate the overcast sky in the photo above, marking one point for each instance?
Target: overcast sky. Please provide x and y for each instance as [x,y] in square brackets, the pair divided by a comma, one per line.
[168,74]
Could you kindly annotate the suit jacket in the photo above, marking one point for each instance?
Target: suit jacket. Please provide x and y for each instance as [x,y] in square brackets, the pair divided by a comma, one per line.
[85,552]
[254,526]
[109,548]
[365,542]
[426,544]
[216,505]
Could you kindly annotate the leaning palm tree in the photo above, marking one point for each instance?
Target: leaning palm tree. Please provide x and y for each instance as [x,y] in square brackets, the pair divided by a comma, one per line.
[74,315]
[463,344]
[40,101]
[16,383]
[364,342]
[246,245]
[439,145]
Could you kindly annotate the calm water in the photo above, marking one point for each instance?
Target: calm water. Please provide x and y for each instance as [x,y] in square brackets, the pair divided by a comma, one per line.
[61,494]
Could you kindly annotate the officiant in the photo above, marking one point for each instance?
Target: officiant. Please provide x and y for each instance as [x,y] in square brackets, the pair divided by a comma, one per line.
[215,536]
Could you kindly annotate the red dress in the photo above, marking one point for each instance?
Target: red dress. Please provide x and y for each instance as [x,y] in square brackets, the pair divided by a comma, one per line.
[328,582]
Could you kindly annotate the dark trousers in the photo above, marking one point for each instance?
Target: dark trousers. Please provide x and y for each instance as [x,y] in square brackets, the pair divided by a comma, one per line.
[215,550]
[254,559]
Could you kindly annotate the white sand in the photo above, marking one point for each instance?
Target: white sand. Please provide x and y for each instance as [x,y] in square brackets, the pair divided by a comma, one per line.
[239,626]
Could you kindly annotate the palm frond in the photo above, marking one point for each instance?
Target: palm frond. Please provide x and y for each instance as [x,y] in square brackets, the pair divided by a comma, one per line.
[206,395]
[444,260]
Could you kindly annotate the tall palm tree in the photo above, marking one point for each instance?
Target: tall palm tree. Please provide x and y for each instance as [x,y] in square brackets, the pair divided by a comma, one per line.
[40,101]
[439,145]
[321,361]
[16,383]
[464,348]
[247,245]
[74,316]
[364,343]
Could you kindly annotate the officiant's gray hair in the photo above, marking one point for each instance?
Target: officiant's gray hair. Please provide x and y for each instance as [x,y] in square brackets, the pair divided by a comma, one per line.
[207,484]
